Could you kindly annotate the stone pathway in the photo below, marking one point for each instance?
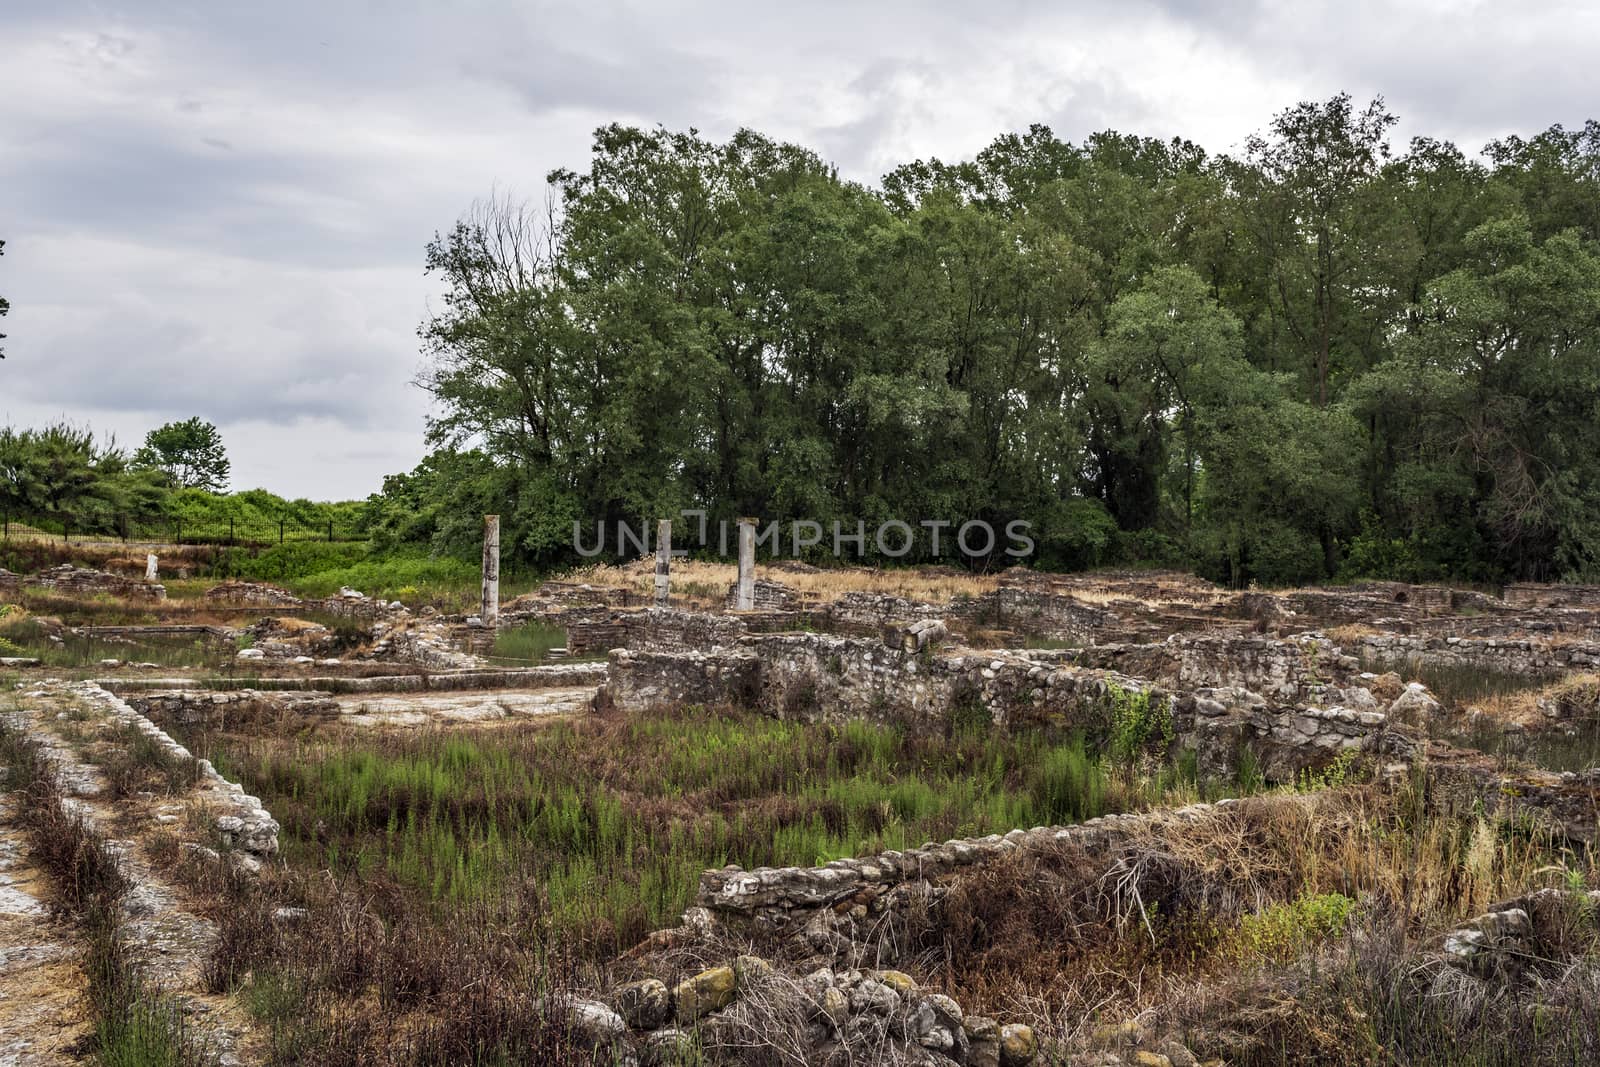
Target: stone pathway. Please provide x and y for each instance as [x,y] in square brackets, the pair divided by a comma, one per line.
[165,936]
[43,1001]
[422,709]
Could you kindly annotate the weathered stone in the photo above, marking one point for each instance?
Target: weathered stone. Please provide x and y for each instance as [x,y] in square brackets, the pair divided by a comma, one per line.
[597,1023]
[644,1005]
[871,995]
[983,1041]
[1018,1045]
[668,1048]
[748,969]
[899,981]
[710,990]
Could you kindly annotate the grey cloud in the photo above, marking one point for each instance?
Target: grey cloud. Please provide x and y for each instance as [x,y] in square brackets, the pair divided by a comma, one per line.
[219,209]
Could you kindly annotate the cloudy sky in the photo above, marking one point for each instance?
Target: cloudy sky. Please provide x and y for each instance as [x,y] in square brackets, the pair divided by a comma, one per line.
[219,208]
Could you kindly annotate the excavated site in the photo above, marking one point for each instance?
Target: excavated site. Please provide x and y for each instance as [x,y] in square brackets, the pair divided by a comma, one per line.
[910,817]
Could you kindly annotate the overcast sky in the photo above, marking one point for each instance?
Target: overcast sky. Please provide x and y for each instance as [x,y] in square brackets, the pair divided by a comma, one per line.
[219,209]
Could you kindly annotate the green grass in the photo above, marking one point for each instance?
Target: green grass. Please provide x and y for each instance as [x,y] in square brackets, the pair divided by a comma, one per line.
[529,642]
[615,819]
[319,570]
[27,637]
[1457,685]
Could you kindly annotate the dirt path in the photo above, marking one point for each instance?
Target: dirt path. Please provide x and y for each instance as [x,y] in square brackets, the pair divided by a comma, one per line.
[161,926]
[43,999]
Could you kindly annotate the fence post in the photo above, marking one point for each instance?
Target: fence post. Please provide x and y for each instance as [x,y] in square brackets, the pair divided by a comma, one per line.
[280,531]
[330,531]
[179,541]
[230,531]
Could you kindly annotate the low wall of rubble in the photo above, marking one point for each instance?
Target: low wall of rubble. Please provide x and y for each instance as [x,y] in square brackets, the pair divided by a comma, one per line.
[830,1015]
[67,580]
[1507,655]
[783,900]
[548,676]
[664,628]
[350,604]
[780,900]
[215,709]
[242,821]
[819,677]
[1284,669]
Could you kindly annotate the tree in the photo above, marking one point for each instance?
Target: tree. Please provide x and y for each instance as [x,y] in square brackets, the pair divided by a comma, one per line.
[1313,185]
[189,453]
[1309,357]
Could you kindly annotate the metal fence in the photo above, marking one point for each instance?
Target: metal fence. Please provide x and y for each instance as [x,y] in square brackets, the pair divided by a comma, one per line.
[167,530]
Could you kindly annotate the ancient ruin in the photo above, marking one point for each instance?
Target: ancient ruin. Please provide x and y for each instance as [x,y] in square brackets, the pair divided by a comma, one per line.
[1304,705]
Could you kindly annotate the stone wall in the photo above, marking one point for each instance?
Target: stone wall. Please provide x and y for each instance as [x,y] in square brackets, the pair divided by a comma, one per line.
[241,821]
[1509,655]
[252,594]
[67,580]
[1032,610]
[216,708]
[818,677]
[863,612]
[1282,669]
[653,628]
[1542,595]
[769,596]
[648,678]
[780,900]
[349,603]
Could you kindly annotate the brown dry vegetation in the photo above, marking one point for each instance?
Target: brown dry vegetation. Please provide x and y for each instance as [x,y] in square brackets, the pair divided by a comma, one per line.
[1275,933]
[708,583]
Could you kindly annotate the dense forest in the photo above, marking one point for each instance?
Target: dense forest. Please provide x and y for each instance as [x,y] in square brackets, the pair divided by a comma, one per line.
[1321,357]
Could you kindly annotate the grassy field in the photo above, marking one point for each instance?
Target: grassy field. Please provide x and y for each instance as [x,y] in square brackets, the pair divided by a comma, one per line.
[615,817]
[456,878]
[22,634]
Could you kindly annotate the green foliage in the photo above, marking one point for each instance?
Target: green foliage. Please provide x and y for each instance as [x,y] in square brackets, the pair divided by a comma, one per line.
[1318,357]
[63,478]
[1283,932]
[289,562]
[188,454]
[1333,776]
[1137,721]
[618,819]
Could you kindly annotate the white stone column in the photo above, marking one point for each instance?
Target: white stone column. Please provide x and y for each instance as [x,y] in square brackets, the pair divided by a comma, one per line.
[150,570]
[663,561]
[745,597]
[490,610]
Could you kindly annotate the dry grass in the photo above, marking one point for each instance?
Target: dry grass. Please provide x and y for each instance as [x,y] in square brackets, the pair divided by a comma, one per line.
[1173,920]
[708,583]
[1350,633]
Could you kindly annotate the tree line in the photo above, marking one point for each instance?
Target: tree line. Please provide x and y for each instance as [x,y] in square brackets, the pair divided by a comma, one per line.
[64,478]
[1316,357]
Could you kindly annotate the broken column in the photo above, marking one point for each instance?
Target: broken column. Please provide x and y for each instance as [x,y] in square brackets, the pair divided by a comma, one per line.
[490,611]
[663,560]
[150,572]
[745,596]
